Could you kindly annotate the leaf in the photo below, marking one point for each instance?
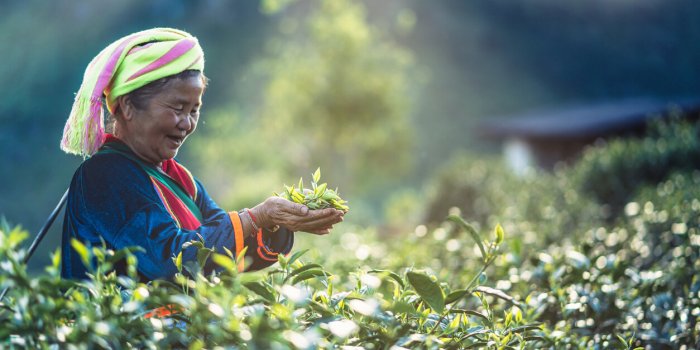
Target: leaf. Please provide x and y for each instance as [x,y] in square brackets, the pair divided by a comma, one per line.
[496,293]
[621,340]
[321,189]
[472,231]
[428,290]
[317,175]
[203,255]
[260,289]
[499,234]
[455,296]
[241,255]
[402,307]
[309,274]
[221,260]
[296,256]
[178,261]
[282,259]
[82,251]
[529,327]
[478,345]
[391,274]
[518,315]
[122,253]
[302,269]
[470,313]
[56,258]
[325,312]
[229,253]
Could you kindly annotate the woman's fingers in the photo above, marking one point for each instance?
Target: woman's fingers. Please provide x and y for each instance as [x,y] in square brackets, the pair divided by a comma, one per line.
[298,217]
[323,231]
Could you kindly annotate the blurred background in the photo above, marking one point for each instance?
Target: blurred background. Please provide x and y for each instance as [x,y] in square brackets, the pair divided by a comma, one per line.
[381,95]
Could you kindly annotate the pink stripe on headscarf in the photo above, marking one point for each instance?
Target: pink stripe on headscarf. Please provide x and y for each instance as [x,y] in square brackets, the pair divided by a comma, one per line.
[95,118]
[178,50]
[108,70]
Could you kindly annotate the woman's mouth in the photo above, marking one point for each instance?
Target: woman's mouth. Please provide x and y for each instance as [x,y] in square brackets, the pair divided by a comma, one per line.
[176,140]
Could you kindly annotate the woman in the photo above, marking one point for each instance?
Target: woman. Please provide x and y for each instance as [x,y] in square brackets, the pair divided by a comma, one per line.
[131,192]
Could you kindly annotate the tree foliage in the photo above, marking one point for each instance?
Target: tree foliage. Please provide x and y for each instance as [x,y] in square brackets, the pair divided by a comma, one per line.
[338,93]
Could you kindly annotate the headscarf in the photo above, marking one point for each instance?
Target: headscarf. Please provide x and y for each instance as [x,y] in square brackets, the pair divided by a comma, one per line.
[124,66]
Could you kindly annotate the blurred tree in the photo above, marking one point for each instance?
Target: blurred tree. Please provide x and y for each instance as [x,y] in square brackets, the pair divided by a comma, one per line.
[337,93]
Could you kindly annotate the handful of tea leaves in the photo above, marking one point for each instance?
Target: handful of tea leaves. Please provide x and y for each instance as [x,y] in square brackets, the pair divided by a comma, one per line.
[318,197]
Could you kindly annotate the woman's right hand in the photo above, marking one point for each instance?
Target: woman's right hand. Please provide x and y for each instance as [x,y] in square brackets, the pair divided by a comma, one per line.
[296,217]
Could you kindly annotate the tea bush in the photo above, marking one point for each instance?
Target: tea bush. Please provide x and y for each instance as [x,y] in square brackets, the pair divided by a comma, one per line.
[297,305]
[562,273]
[613,173]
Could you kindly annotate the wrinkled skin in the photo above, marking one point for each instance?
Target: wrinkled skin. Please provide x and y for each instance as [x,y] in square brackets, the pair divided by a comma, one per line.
[156,133]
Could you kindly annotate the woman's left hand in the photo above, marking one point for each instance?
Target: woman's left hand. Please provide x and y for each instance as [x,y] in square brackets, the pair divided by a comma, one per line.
[296,217]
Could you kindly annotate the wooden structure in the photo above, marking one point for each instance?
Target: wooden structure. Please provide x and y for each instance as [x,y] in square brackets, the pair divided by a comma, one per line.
[546,137]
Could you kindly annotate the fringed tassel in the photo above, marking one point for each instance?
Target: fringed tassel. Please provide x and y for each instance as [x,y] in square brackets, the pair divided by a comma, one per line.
[84,136]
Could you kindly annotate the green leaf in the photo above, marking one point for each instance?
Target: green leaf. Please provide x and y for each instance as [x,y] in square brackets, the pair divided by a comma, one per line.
[403,307]
[621,340]
[318,307]
[320,190]
[309,274]
[241,254]
[302,269]
[499,234]
[472,231]
[391,274]
[221,260]
[229,253]
[123,253]
[296,256]
[530,327]
[203,255]
[496,293]
[317,175]
[178,261]
[282,259]
[428,290]
[518,315]
[260,289]
[56,258]
[478,345]
[455,296]
[82,251]
[470,313]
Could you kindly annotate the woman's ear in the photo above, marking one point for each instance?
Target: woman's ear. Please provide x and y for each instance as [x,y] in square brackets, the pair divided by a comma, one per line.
[124,107]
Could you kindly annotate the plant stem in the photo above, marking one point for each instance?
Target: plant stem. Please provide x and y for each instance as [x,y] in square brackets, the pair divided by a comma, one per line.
[467,290]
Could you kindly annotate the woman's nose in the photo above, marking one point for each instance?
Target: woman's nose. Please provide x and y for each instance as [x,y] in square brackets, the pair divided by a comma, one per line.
[187,123]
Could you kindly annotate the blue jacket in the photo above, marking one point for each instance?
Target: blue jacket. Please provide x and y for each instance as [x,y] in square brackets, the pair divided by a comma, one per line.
[113,200]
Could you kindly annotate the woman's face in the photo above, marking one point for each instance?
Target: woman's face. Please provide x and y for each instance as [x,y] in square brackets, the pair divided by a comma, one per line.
[156,132]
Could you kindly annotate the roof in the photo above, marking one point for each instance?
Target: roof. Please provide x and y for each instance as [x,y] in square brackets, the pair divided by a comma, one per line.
[588,120]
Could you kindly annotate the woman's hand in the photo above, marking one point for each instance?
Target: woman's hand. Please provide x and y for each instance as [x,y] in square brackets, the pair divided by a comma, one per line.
[296,217]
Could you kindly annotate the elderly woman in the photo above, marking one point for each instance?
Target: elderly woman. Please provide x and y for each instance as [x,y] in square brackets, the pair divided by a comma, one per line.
[130,191]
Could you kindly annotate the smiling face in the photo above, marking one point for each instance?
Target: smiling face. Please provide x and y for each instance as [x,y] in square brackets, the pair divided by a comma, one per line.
[156,130]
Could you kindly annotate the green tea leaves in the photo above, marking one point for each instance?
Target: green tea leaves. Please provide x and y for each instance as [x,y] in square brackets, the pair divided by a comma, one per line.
[428,290]
[318,197]
[471,231]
